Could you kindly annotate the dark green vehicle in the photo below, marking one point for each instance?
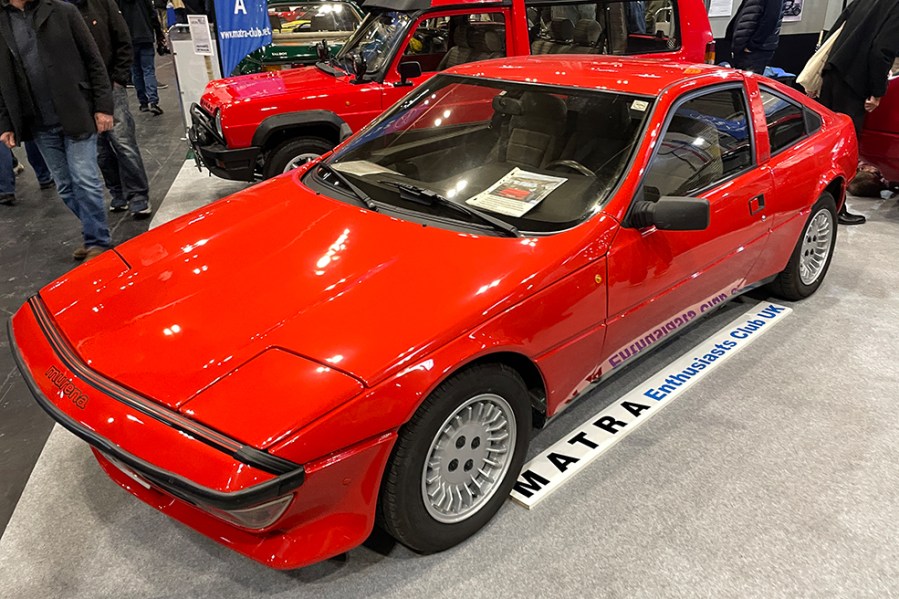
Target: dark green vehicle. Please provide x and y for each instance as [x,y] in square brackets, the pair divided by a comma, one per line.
[296,29]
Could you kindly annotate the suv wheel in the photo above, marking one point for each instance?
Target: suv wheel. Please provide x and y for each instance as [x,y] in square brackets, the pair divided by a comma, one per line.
[294,153]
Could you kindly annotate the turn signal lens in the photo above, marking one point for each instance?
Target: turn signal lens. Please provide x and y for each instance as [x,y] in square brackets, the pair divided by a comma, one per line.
[710,53]
[272,67]
[256,517]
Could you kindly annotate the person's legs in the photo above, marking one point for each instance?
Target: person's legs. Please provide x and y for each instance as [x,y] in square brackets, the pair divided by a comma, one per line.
[37,162]
[148,68]
[109,167]
[53,149]
[81,156]
[7,177]
[137,77]
[132,175]
[839,97]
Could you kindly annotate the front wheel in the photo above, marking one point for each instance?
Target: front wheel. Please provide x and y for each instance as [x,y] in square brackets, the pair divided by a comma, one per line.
[294,153]
[456,460]
[812,255]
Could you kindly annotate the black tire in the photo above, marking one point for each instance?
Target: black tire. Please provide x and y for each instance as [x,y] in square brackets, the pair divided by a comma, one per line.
[789,285]
[402,510]
[277,159]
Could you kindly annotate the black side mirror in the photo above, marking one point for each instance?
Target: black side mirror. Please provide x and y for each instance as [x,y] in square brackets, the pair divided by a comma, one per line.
[408,70]
[359,68]
[671,213]
[322,50]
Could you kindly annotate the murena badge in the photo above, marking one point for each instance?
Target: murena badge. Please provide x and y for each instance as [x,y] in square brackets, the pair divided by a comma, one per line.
[67,387]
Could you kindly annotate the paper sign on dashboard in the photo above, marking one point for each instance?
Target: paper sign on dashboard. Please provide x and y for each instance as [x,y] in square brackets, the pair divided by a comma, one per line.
[516,193]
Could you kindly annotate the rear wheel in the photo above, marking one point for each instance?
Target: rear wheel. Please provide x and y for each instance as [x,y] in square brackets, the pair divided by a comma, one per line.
[456,460]
[812,255]
[294,153]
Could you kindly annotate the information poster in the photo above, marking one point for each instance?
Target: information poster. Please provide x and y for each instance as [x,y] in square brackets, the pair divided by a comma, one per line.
[793,10]
[720,8]
[199,34]
[516,193]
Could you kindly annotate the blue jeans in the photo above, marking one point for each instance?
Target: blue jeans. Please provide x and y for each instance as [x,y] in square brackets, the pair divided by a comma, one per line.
[120,160]
[73,163]
[7,176]
[36,160]
[143,74]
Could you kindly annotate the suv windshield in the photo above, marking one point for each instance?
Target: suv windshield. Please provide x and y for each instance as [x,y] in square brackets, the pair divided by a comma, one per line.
[375,39]
[539,158]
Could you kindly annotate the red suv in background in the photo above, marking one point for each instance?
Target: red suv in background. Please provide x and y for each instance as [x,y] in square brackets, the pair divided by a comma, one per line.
[258,126]
[880,137]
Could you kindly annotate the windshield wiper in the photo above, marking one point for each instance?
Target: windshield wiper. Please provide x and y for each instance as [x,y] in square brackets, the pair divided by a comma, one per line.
[430,198]
[361,195]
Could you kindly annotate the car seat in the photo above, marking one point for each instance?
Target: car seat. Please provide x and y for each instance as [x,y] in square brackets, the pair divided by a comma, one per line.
[586,37]
[486,44]
[602,132]
[561,32]
[461,51]
[536,124]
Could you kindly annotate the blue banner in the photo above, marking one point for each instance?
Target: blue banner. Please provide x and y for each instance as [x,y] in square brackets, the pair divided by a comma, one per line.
[243,27]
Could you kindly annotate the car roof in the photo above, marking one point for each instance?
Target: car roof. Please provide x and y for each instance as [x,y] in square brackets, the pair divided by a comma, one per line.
[639,76]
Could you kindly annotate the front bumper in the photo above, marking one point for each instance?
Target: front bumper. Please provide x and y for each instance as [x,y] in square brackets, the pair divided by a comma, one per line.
[181,467]
[211,151]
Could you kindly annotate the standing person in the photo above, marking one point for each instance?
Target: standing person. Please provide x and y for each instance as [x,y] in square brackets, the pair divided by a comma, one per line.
[162,12]
[54,89]
[119,156]
[858,66]
[754,34]
[146,35]
[7,177]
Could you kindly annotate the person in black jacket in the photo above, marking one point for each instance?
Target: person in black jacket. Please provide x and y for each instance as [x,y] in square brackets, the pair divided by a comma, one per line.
[54,89]
[858,66]
[119,156]
[146,35]
[754,33]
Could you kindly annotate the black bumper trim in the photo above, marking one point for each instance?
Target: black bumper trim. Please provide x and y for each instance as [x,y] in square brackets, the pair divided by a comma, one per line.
[170,482]
[243,453]
[211,151]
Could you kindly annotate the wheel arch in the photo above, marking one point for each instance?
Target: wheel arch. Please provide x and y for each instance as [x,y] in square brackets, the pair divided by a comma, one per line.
[279,128]
[837,188]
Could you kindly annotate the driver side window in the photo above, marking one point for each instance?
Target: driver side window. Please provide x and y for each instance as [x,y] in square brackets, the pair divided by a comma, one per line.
[706,141]
[443,42]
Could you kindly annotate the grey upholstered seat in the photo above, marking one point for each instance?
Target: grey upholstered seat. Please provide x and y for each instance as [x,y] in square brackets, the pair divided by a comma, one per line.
[536,125]
[461,51]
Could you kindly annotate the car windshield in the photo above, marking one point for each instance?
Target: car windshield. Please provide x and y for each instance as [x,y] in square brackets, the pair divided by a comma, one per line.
[312,17]
[539,158]
[375,39]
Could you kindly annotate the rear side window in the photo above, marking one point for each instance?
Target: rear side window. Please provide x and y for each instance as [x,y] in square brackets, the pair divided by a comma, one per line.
[786,120]
[619,27]
[706,141]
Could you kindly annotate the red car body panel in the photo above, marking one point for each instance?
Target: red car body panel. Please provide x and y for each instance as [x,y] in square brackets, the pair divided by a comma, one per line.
[880,137]
[308,330]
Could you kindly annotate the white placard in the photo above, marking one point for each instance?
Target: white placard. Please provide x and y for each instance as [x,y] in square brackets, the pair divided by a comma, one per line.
[720,8]
[546,472]
[516,193]
[199,34]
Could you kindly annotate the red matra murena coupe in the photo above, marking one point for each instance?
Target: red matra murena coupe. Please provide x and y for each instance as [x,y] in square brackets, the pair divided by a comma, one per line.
[373,336]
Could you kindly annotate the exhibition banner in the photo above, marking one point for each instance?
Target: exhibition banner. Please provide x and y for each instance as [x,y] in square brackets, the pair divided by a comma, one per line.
[546,472]
[243,27]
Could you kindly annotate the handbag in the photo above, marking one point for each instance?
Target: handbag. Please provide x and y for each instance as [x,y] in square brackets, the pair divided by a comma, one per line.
[810,77]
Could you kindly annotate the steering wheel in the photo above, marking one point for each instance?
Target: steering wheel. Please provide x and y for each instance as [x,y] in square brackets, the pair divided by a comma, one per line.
[573,165]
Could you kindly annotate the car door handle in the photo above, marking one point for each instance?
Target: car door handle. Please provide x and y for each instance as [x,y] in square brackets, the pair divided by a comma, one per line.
[756,204]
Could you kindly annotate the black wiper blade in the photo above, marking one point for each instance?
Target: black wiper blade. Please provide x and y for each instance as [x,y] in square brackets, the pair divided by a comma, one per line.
[363,197]
[430,197]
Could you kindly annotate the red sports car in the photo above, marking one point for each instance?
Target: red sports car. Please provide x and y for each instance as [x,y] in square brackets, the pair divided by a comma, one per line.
[372,337]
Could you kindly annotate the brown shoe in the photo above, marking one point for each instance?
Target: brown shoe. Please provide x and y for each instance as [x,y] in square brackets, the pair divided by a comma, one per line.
[80,253]
[93,252]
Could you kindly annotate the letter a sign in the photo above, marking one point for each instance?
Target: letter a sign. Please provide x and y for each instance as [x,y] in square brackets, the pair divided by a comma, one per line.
[242,28]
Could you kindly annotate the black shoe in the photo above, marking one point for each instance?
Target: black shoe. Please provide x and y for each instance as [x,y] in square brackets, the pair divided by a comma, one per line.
[847,218]
[8,199]
[48,184]
[155,109]
[144,108]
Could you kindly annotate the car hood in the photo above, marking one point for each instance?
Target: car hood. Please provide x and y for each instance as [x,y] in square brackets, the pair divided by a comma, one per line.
[278,266]
[301,81]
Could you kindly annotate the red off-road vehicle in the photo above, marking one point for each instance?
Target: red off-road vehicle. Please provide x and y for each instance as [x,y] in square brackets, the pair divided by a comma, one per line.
[258,126]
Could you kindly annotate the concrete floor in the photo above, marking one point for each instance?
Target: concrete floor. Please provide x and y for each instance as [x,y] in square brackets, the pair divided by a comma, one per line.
[775,476]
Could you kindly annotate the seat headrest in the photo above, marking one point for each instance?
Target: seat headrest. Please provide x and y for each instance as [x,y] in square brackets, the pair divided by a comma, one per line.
[561,29]
[461,32]
[587,32]
[505,105]
[494,39]
[546,106]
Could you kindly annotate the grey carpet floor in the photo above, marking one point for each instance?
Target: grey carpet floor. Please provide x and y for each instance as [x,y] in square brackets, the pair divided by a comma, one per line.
[775,476]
